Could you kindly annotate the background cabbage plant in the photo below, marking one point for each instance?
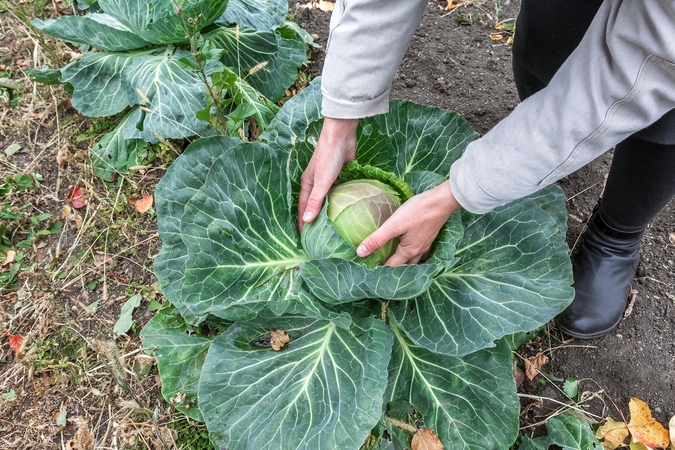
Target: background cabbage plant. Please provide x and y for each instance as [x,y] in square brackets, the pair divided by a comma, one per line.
[175,69]
[370,348]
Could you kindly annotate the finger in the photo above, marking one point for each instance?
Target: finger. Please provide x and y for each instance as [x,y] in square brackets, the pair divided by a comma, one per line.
[397,259]
[404,255]
[315,199]
[426,255]
[314,203]
[378,238]
[415,260]
[305,190]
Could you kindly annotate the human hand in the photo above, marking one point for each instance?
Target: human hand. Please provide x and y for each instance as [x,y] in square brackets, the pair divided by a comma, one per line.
[418,221]
[336,146]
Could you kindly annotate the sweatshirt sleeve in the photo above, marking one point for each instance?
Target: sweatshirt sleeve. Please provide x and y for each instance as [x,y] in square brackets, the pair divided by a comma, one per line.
[618,81]
[367,42]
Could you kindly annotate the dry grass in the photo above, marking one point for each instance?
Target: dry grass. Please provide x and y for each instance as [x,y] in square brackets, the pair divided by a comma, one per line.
[71,385]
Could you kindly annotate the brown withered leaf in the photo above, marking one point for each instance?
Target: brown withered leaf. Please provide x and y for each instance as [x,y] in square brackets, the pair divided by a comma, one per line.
[321,5]
[278,339]
[425,439]
[72,215]
[62,157]
[9,258]
[533,364]
[613,434]
[644,428]
[83,439]
[144,204]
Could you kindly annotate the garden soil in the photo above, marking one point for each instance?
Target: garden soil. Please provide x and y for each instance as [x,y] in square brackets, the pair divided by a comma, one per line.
[454,63]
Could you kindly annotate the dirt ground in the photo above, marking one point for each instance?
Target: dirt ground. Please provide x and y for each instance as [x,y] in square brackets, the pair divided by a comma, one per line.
[74,383]
[454,64]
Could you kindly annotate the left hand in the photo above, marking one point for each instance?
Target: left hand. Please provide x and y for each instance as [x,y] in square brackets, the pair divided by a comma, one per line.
[418,221]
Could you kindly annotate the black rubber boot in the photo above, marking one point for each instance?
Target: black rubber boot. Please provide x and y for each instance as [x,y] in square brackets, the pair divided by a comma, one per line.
[603,268]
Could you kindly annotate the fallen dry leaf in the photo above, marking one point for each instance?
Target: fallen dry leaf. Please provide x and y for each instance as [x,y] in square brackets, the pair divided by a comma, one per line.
[613,434]
[278,339]
[451,5]
[15,341]
[11,254]
[72,215]
[533,364]
[321,5]
[671,238]
[637,446]
[496,37]
[83,439]
[144,204]
[425,439]
[75,197]
[671,425]
[61,157]
[644,428]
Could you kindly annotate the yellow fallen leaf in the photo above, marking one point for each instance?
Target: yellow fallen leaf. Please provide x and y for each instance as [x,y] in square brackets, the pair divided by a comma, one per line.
[425,439]
[613,434]
[533,364]
[144,204]
[496,37]
[279,338]
[644,428]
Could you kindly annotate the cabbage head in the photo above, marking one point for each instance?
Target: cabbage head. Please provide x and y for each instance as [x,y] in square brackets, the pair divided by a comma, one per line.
[355,209]
[358,208]
[371,346]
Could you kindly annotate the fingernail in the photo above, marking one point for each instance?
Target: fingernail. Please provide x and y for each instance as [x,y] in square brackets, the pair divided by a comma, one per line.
[308,216]
[362,250]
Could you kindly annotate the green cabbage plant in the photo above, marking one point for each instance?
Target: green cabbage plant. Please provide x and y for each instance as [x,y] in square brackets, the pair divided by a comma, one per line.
[374,351]
[175,69]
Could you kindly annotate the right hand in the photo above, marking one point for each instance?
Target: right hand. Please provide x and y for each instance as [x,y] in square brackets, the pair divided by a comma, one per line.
[336,146]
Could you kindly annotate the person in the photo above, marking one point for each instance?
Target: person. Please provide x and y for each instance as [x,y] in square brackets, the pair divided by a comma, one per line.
[592,74]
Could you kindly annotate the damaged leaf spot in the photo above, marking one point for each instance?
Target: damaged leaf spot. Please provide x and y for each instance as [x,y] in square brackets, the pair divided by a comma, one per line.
[278,339]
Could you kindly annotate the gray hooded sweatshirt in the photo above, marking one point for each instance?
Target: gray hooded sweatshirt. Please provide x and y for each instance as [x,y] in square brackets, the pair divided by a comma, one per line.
[618,81]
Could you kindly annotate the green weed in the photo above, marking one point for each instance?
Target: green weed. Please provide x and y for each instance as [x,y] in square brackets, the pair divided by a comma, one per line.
[191,435]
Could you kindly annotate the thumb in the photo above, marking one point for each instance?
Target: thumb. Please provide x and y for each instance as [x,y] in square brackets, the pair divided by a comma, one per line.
[377,239]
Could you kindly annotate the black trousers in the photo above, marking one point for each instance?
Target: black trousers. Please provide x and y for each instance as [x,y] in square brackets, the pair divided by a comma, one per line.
[642,176]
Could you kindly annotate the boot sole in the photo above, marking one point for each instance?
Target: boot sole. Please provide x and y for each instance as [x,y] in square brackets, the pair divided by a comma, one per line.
[599,334]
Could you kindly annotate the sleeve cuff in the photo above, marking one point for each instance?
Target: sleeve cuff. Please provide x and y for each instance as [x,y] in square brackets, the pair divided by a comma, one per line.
[468,192]
[345,109]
